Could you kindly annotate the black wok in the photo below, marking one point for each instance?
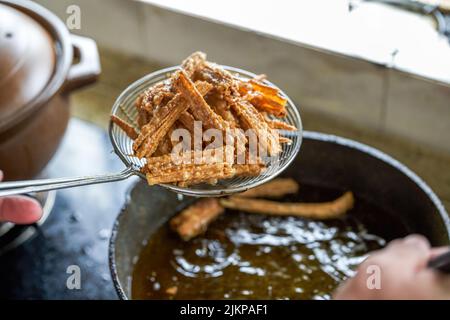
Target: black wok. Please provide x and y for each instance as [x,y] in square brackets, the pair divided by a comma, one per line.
[324,160]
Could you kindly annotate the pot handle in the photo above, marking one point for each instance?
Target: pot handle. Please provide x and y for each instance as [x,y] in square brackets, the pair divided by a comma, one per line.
[87,69]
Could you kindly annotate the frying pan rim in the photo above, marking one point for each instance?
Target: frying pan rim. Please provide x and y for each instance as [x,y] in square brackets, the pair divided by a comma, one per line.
[315,136]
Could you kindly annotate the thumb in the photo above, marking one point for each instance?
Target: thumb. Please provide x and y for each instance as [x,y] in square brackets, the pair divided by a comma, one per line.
[20,210]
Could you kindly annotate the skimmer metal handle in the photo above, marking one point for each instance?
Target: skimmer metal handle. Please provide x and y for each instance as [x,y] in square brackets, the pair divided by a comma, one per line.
[30,186]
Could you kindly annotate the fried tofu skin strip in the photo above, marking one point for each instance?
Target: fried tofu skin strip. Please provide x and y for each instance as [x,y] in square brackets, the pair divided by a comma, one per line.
[173,160]
[194,167]
[164,116]
[155,96]
[193,63]
[126,127]
[220,107]
[280,125]
[164,146]
[203,87]
[153,132]
[249,170]
[186,118]
[270,99]
[172,290]
[163,119]
[197,105]
[324,210]
[201,111]
[222,80]
[250,118]
[265,98]
[285,140]
[189,174]
[195,219]
[276,188]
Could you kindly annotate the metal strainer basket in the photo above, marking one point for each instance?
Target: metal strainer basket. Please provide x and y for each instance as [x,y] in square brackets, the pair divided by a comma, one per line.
[124,108]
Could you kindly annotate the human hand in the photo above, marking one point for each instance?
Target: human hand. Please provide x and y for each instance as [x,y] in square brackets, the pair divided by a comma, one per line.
[19,209]
[403,274]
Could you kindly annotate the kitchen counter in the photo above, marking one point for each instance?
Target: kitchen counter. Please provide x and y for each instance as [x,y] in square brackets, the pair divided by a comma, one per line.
[119,70]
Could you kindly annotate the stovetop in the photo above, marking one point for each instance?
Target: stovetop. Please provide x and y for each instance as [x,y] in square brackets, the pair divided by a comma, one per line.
[77,230]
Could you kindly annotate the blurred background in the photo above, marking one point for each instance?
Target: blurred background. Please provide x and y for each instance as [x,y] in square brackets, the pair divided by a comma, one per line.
[373,71]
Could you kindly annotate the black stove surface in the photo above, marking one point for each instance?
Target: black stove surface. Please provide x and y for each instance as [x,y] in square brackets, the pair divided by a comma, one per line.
[77,230]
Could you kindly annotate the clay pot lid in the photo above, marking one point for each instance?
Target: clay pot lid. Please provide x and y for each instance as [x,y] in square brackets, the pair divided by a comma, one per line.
[27,61]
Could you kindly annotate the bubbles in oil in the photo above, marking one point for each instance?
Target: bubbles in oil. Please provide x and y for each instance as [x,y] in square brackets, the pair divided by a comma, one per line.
[246,256]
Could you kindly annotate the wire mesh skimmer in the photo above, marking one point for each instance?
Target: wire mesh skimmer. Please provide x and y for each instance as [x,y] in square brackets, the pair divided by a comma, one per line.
[124,108]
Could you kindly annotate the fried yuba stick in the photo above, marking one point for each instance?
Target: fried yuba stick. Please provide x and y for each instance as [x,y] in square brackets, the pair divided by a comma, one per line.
[191,172]
[127,128]
[164,146]
[249,170]
[196,166]
[260,77]
[222,109]
[276,188]
[280,125]
[201,111]
[155,96]
[197,105]
[270,99]
[218,155]
[250,118]
[163,119]
[264,104]
[284,140]
[203,87]
[263,97]
[194,220]
[324,210]
[153,132]
[186,118]
[193,63]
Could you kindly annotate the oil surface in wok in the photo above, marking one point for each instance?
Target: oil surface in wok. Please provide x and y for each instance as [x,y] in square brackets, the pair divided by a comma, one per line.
[248,256]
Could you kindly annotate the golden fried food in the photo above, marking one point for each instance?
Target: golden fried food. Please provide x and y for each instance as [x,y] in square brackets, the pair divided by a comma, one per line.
[195,219]
[163,119]
[276,188]
[172,290]
[127,128]
[284,140]
[263,97]
[324,210]
[249,170]
[190,166]
[197,105]
[251,119]
[205,93]
[280,125]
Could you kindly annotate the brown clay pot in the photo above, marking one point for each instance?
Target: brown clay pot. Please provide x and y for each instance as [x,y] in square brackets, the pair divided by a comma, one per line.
[41,63]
